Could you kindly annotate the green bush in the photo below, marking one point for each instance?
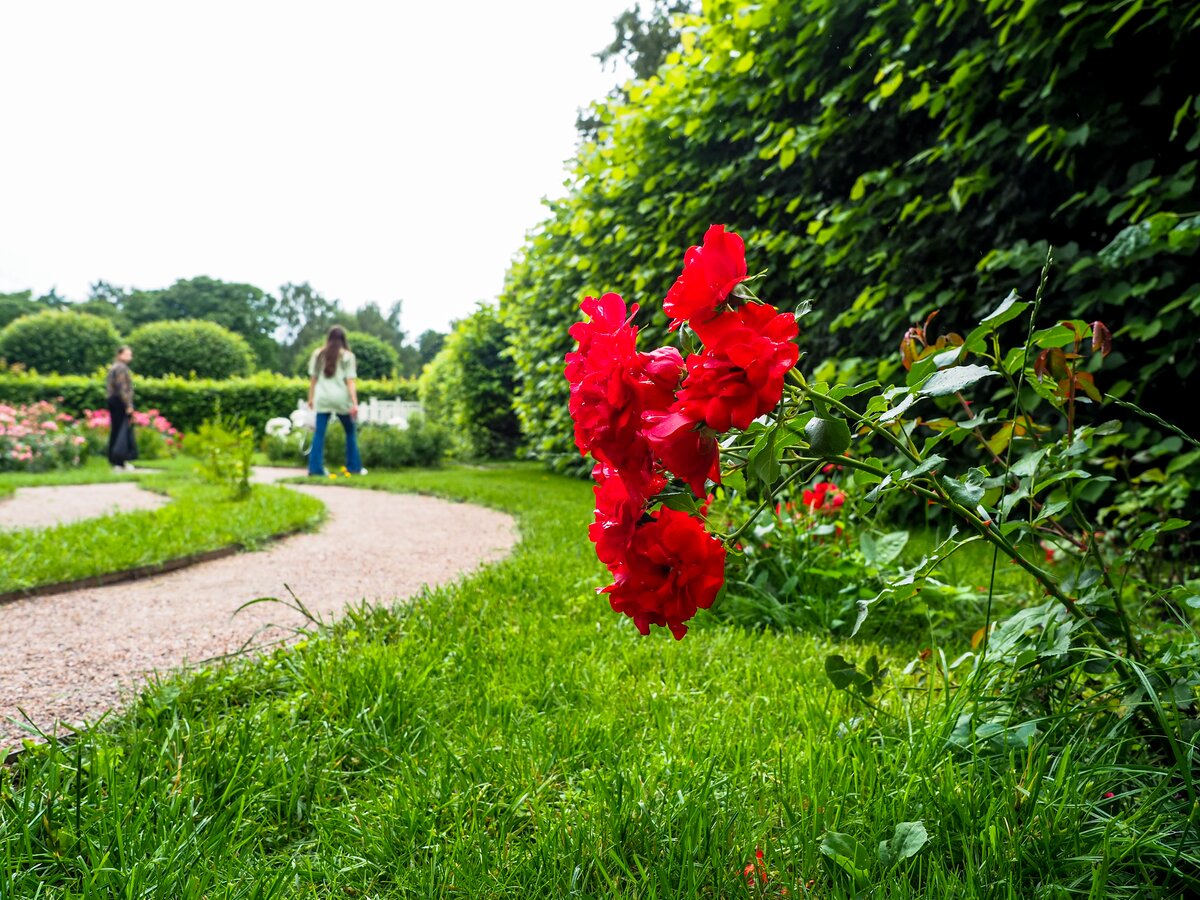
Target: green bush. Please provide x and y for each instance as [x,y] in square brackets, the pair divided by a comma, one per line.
[889,159]
[468,388]
[421,444]
[373,357]
[69,343]
[186,402]
[190,346]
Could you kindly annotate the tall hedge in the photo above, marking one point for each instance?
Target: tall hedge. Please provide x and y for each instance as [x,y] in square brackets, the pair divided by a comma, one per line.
[190,346]
[468,388]
[64,342]
[373,357]
[888,159]
[188,402]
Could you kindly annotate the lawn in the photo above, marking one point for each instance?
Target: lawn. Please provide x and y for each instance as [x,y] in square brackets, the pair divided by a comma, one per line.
[509,736]
[200,518]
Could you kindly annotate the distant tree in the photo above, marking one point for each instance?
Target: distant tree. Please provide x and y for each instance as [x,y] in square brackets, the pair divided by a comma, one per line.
[643,43]
[429,344]
[242,308]
[300,306]
[13,306]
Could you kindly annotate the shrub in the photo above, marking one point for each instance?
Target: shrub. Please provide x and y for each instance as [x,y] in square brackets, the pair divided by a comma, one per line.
[892,159]
[186,402]
[68,343]
[374,358]
[156,437]
[468,388]
[190,346]
[421,444]
[225,448]
[39,437]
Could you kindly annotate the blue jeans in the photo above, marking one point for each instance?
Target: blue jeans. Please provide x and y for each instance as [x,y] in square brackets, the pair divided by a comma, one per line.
[316,455]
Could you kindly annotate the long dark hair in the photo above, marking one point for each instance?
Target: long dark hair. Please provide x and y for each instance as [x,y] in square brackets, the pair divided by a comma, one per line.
[335,343]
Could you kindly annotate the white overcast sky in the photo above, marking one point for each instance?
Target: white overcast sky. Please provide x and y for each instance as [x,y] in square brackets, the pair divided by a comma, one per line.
[379,151]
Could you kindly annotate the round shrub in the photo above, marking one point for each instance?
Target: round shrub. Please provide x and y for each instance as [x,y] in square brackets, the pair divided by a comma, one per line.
[190,346]
[69,343]
[373,357]
[468,388]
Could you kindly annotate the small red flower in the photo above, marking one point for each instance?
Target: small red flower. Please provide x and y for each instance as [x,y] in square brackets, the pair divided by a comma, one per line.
[824,498]
[673,568]
[755,871]
[710,273]
[739,375]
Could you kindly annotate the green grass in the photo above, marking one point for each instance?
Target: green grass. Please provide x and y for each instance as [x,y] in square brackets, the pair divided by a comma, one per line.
[199,518]
[508,736]
[93,471]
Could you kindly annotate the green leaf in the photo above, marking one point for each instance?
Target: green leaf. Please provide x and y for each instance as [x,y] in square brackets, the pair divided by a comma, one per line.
[931,463]
[954,380]
[882,550]
[763,463]
[906,842]
[847,853]
[967,491]
[844,674]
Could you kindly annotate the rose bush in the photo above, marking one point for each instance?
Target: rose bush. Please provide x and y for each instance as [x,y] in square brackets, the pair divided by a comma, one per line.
[38,437]
[156,437]
[649,417]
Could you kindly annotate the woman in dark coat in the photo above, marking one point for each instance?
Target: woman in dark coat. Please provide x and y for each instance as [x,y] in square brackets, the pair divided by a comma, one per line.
[118,385]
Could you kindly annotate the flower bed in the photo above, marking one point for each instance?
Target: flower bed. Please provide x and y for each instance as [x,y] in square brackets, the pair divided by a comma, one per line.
[38,437]
[157,438]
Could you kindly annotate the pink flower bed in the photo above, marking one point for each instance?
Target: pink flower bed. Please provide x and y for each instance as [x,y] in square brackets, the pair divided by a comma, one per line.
[38,437]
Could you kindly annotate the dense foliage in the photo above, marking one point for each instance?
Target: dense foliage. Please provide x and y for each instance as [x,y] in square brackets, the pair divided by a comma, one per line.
[891,159]
[63,342]
[374,359]
[420,443]
[468,388]
[192,347]
[188,402]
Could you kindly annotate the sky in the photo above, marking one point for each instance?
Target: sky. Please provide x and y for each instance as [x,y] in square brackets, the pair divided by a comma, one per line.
[380,151]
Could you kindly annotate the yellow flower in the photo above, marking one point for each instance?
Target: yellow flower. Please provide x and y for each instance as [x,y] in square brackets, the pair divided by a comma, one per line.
[333,474]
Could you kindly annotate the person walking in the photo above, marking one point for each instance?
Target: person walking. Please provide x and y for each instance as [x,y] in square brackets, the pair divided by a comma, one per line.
[118,388]
[332,390]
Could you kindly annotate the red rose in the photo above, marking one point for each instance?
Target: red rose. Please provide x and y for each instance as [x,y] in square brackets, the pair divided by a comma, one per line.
[825,497]
[709,273]
[673,568]
[612,385]
[739,376]
[685,446]
[618,511]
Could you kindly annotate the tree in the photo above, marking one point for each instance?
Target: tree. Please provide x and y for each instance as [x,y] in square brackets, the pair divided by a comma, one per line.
[242,308]
[641,43]
[13,306]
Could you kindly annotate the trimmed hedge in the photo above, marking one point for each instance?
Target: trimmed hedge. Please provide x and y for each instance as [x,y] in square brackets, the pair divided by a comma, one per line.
[70,343]
[468,388]
[187,402]
[190,346]
[889,159]
[373,357]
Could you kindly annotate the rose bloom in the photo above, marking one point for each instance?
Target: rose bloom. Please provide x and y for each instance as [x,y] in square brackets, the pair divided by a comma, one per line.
[739,376]
[825,497]
[710,273]
[612,385]
[686,447]
[618,511]
[673,568]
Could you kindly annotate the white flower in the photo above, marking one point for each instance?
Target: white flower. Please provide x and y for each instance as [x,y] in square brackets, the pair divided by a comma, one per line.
[279,427]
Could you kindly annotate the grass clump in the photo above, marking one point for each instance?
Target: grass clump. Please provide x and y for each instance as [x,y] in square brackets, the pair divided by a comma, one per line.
[508,736]
[199,518]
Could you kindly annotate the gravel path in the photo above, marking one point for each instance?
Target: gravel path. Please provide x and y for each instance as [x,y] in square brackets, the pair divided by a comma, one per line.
[69,657]
[37,507]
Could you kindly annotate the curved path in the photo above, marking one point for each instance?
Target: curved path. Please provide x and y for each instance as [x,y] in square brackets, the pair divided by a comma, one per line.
[38,507]
[68,657]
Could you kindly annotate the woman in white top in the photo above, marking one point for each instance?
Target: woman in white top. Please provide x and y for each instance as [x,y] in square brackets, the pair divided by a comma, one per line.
[332,391]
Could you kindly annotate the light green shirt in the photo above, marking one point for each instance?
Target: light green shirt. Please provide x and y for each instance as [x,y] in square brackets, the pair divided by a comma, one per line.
[331,394]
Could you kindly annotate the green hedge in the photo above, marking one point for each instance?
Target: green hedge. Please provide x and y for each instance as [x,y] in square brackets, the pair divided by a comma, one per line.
[468,388]
[190,346]
[888,159]
[187,402]
[68,342]
[373,358]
